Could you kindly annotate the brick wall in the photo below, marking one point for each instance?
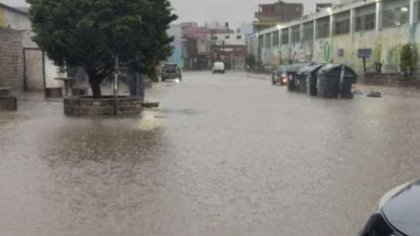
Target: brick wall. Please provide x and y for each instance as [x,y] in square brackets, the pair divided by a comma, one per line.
[11,58]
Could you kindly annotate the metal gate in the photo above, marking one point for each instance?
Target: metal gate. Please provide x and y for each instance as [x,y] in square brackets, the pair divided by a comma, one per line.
[34,69]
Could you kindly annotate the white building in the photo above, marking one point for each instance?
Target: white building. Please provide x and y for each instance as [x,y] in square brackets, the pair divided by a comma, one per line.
[232,39]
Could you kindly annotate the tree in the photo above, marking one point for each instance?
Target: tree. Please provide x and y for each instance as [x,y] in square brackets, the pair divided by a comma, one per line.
[415,58]
[94,33]
[407,59]
[250,60]
[377,57]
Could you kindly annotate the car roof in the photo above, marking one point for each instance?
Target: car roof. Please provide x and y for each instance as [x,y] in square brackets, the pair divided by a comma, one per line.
[403,210]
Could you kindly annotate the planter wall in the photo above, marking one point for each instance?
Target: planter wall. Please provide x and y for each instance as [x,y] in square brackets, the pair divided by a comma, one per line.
[394,80]
[8,103]
[87,106]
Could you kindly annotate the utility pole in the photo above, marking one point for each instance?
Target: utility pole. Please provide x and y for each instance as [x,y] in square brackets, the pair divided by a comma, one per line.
[115,87]
[224,31]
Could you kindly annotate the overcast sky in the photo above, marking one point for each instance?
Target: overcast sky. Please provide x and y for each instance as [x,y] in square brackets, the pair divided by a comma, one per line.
[233,11]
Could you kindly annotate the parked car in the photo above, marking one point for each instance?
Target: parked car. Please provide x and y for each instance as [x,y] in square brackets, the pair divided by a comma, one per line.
[171,71]
[279,76]
[219,67]
[398,213]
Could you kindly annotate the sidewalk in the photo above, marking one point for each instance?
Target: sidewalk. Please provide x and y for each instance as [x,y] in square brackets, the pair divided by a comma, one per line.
[257,76]
[365,88]
[390,91]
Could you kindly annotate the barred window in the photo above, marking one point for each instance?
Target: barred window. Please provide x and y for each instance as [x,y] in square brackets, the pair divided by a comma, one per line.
[418,11]
[395,13]
[260,40]
[342,23]
[323,27]
[308,31]
[365,18]
[285,36]
[296,33]
[366,22]
[276,39]
[267,40]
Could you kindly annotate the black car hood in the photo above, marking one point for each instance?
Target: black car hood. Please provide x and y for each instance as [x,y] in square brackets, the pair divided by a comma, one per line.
[403,210]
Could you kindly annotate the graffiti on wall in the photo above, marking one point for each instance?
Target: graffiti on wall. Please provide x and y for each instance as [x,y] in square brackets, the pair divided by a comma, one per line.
[300,52]
[266,56]
[275,55]
[324,50]
[296,52]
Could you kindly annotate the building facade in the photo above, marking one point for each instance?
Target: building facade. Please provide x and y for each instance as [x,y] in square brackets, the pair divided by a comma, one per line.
[230,48]
[323,6]
[376,28]
[11,69]
[38,71]
[195,46]
[203,45]
[269,15]
[177,56]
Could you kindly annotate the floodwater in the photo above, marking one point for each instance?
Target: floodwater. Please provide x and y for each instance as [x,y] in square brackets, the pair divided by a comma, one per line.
[224,155]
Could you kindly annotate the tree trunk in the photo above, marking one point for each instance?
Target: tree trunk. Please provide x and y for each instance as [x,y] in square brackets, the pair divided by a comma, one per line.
[95,84]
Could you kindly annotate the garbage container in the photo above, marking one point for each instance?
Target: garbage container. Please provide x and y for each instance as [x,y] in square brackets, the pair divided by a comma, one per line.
[294,84]
[312,79]
[347,82]
[291,78]
[335,80]
[301,76]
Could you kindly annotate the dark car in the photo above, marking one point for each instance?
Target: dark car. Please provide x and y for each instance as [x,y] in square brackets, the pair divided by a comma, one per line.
[398,213]
[171,71]
[279,76]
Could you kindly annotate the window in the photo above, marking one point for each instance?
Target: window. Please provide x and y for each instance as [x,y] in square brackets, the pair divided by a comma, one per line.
[418,11]
[323,27]
[395,13]
[260,40]
[342,23]
[308,31]
[342,27]
[267,40]
[365,18]
[215,38]
[239,37]
[285,36]
[296,33]
[227,37]
[276,39]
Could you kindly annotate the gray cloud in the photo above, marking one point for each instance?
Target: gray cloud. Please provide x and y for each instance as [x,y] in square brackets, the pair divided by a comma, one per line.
[233,11]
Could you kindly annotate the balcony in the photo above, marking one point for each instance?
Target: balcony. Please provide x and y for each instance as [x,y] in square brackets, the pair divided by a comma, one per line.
[267,17]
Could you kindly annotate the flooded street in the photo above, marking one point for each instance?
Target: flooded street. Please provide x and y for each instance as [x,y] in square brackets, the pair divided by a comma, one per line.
[224,155]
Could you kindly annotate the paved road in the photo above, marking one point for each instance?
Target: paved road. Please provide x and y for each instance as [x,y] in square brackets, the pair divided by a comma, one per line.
[225,155]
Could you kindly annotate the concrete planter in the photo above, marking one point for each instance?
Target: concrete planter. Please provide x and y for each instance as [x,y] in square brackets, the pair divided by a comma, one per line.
[8,103]
[87,106]
[53,93]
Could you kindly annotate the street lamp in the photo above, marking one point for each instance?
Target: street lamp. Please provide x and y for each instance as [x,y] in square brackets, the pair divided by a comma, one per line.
[329,10]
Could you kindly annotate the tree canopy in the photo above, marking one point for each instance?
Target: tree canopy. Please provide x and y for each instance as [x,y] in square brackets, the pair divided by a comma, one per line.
[92,33]
[408,58]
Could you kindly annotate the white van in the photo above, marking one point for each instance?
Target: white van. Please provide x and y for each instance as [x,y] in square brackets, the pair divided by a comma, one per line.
[219,67]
